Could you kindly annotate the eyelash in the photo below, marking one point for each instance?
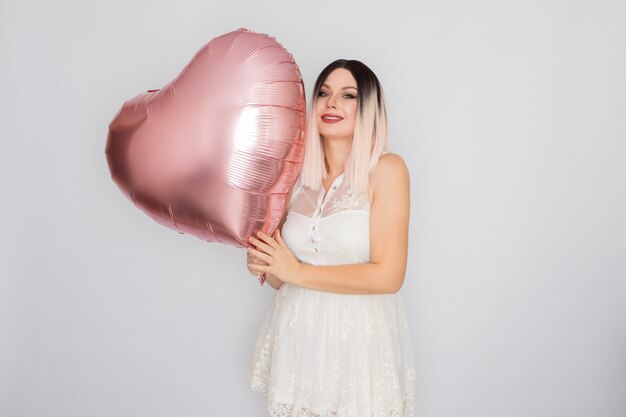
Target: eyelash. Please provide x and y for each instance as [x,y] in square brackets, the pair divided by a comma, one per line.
[351,96]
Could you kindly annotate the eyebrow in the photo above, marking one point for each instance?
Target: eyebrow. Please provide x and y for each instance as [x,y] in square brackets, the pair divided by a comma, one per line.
[344,88]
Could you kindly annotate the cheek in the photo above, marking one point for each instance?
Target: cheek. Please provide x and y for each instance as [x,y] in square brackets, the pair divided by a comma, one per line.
[353,112]
[319,107]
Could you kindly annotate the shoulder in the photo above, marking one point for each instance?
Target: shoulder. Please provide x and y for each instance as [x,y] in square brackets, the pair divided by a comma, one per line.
[390,169]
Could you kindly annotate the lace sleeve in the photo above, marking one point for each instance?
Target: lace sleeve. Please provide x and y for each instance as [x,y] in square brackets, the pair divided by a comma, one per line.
[294,194]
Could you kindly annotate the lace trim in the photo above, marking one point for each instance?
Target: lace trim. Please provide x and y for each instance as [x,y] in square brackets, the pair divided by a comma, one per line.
[405,408]
[288,410]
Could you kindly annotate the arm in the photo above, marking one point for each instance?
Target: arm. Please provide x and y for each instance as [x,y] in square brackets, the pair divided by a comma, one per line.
[273,281]
[389,224]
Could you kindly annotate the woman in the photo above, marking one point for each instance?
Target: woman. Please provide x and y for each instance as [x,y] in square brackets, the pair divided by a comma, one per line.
[335,341]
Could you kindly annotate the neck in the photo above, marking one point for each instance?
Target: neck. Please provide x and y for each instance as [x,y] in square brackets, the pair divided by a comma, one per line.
[336,151]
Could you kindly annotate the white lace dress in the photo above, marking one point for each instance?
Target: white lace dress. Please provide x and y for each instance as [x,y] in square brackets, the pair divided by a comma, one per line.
[324,354]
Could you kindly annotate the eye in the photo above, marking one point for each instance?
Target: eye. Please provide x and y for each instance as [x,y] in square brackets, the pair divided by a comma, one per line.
[349,96]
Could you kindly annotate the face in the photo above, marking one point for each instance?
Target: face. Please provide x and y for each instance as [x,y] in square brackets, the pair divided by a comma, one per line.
[337,96]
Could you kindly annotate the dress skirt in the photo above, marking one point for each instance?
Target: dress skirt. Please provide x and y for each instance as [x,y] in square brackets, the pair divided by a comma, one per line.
[324,354]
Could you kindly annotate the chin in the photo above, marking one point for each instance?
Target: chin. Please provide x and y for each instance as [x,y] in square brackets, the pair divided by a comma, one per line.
[331,132]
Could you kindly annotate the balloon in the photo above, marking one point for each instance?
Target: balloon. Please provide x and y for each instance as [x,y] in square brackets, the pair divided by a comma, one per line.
[216,152]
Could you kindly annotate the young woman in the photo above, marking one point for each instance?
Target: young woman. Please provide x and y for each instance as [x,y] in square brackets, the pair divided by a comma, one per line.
[336,341]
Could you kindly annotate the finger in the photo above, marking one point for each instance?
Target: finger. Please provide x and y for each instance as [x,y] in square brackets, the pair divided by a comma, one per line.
[255,272]
[261,245]
[262,256]
[252,258]
[253,269]
[279,238]
[267,239]
[262,268]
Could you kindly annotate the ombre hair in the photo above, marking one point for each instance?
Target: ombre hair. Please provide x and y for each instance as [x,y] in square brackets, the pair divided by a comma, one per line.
[369,141]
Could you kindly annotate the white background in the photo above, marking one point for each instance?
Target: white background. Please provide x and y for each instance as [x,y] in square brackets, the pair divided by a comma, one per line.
[511,116]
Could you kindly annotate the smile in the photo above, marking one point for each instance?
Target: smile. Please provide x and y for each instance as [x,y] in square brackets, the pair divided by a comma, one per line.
[331,118]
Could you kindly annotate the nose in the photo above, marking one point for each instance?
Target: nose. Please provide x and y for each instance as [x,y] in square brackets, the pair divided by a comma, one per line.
[330,103]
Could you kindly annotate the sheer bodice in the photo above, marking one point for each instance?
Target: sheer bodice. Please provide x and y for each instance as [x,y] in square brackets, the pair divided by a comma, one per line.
[331,229]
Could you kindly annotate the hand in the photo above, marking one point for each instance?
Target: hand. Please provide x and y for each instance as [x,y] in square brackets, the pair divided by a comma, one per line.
[251,261]
[280,261]
[261,276]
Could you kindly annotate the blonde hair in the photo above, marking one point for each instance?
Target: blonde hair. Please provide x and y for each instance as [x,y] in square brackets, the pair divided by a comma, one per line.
[370,139]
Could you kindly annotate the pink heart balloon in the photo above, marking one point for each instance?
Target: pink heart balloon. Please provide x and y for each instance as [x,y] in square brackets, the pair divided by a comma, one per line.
[216,152]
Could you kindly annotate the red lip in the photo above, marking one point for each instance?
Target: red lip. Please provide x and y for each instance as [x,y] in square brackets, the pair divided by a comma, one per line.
[331,121]
[330,114]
